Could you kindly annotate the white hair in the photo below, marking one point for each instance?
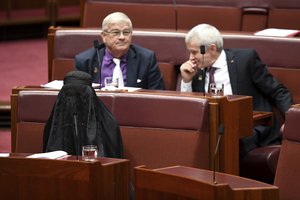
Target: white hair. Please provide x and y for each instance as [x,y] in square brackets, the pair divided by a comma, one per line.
[115,17]
[206,35]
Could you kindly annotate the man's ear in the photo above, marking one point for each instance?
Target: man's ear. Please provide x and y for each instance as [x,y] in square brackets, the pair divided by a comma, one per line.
[103,36]
[213,47]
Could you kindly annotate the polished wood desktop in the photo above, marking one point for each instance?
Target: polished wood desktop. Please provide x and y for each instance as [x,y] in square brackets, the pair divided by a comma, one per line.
[180,182]
[67,178]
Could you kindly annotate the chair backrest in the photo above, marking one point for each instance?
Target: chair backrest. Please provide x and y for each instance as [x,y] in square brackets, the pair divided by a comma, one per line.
[280,54]
[287,172]
[4,6]
[63,45]
[284,14]
[225,18]
[29,12]
[154,15]
[65,11]
[157,130]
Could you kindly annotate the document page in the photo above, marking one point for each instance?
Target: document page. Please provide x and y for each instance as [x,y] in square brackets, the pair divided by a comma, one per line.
[278,32]
[49,155]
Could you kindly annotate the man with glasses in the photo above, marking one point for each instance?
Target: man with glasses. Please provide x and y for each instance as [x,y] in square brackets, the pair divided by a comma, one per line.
[139,67]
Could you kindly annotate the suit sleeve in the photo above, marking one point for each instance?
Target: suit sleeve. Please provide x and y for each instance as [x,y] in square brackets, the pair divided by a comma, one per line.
[84,61]
[276,92]
[155,79]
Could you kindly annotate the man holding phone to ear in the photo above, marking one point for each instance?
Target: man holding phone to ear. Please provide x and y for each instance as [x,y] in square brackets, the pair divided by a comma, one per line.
[242,73]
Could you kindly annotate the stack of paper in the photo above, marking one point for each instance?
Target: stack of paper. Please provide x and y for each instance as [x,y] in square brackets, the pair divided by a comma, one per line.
[58,84]
[49,155]
[278,32]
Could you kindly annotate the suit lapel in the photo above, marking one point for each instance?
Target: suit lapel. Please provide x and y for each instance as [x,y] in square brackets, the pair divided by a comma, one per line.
[96,66]
[131,68]
[232,70]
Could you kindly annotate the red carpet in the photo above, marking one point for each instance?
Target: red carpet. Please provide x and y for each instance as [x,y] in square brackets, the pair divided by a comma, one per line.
[22,62]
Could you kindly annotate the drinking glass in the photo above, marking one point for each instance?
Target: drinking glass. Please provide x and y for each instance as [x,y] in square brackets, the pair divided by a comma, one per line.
[89,152]
[216,89]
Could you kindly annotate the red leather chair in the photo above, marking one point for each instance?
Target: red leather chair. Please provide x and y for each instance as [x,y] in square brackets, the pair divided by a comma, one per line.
[288,168]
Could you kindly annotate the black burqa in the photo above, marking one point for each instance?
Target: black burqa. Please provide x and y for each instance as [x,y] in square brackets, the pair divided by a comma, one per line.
[78,104]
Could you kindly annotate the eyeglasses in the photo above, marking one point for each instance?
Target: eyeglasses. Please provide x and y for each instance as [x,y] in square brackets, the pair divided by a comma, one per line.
[116,33]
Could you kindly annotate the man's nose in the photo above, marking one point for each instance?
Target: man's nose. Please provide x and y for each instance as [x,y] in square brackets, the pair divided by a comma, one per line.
[121,35]
[192,57]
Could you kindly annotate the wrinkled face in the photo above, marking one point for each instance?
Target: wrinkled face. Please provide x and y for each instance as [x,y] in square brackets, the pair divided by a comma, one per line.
[201,60]
[117,38]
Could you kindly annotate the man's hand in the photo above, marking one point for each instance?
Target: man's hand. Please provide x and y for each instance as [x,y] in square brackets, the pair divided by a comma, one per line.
[188,70]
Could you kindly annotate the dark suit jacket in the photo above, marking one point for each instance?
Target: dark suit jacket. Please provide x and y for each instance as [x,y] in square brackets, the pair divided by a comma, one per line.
[141,64]
[249,76]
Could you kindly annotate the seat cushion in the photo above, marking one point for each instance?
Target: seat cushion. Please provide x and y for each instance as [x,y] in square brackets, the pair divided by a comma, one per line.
[260,163]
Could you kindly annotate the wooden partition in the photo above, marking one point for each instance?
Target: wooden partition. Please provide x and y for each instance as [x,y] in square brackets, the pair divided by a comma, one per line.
[180,182]
[68,178]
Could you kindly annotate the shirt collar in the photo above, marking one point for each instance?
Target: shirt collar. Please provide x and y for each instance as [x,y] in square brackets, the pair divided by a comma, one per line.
[109,57]
[221,61]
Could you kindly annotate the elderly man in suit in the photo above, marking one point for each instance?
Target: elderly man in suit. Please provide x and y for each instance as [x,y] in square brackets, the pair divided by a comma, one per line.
[138,65]
[241,72]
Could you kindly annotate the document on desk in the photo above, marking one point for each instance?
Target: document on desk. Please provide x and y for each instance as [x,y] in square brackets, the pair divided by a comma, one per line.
[4,154]
[122,89]
[58,84]
[49,155]
[278,32]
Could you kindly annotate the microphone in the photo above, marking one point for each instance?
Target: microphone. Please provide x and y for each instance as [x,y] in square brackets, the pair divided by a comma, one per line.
[202,52]
[97,46]
[220,133]
[76,135]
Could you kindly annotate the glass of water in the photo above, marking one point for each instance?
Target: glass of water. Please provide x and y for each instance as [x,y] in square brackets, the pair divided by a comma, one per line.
[89,152]
[216,89]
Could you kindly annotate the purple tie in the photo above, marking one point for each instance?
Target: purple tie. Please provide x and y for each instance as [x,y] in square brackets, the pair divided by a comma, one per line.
[211,71]
[211,75]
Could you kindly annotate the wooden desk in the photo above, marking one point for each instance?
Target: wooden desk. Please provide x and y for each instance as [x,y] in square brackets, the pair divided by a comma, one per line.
[179,182]
[262,118]
[30,178]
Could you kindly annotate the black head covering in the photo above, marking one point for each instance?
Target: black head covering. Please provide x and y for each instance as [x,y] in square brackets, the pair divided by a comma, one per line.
[77,103]
[78,77]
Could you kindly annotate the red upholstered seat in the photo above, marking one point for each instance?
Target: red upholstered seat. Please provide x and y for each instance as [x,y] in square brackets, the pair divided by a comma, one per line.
[157,130]
[288,169]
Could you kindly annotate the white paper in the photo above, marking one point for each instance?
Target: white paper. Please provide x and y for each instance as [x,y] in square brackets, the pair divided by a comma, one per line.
[4,154]
[127,89]
[58,84]
[49,155]
[277,32]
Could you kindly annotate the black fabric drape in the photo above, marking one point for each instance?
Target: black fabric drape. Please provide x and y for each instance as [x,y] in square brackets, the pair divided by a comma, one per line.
[77,100]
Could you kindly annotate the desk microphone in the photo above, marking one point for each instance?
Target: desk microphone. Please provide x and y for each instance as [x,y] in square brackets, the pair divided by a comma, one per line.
[97,46]
[76,138]
[220,133]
